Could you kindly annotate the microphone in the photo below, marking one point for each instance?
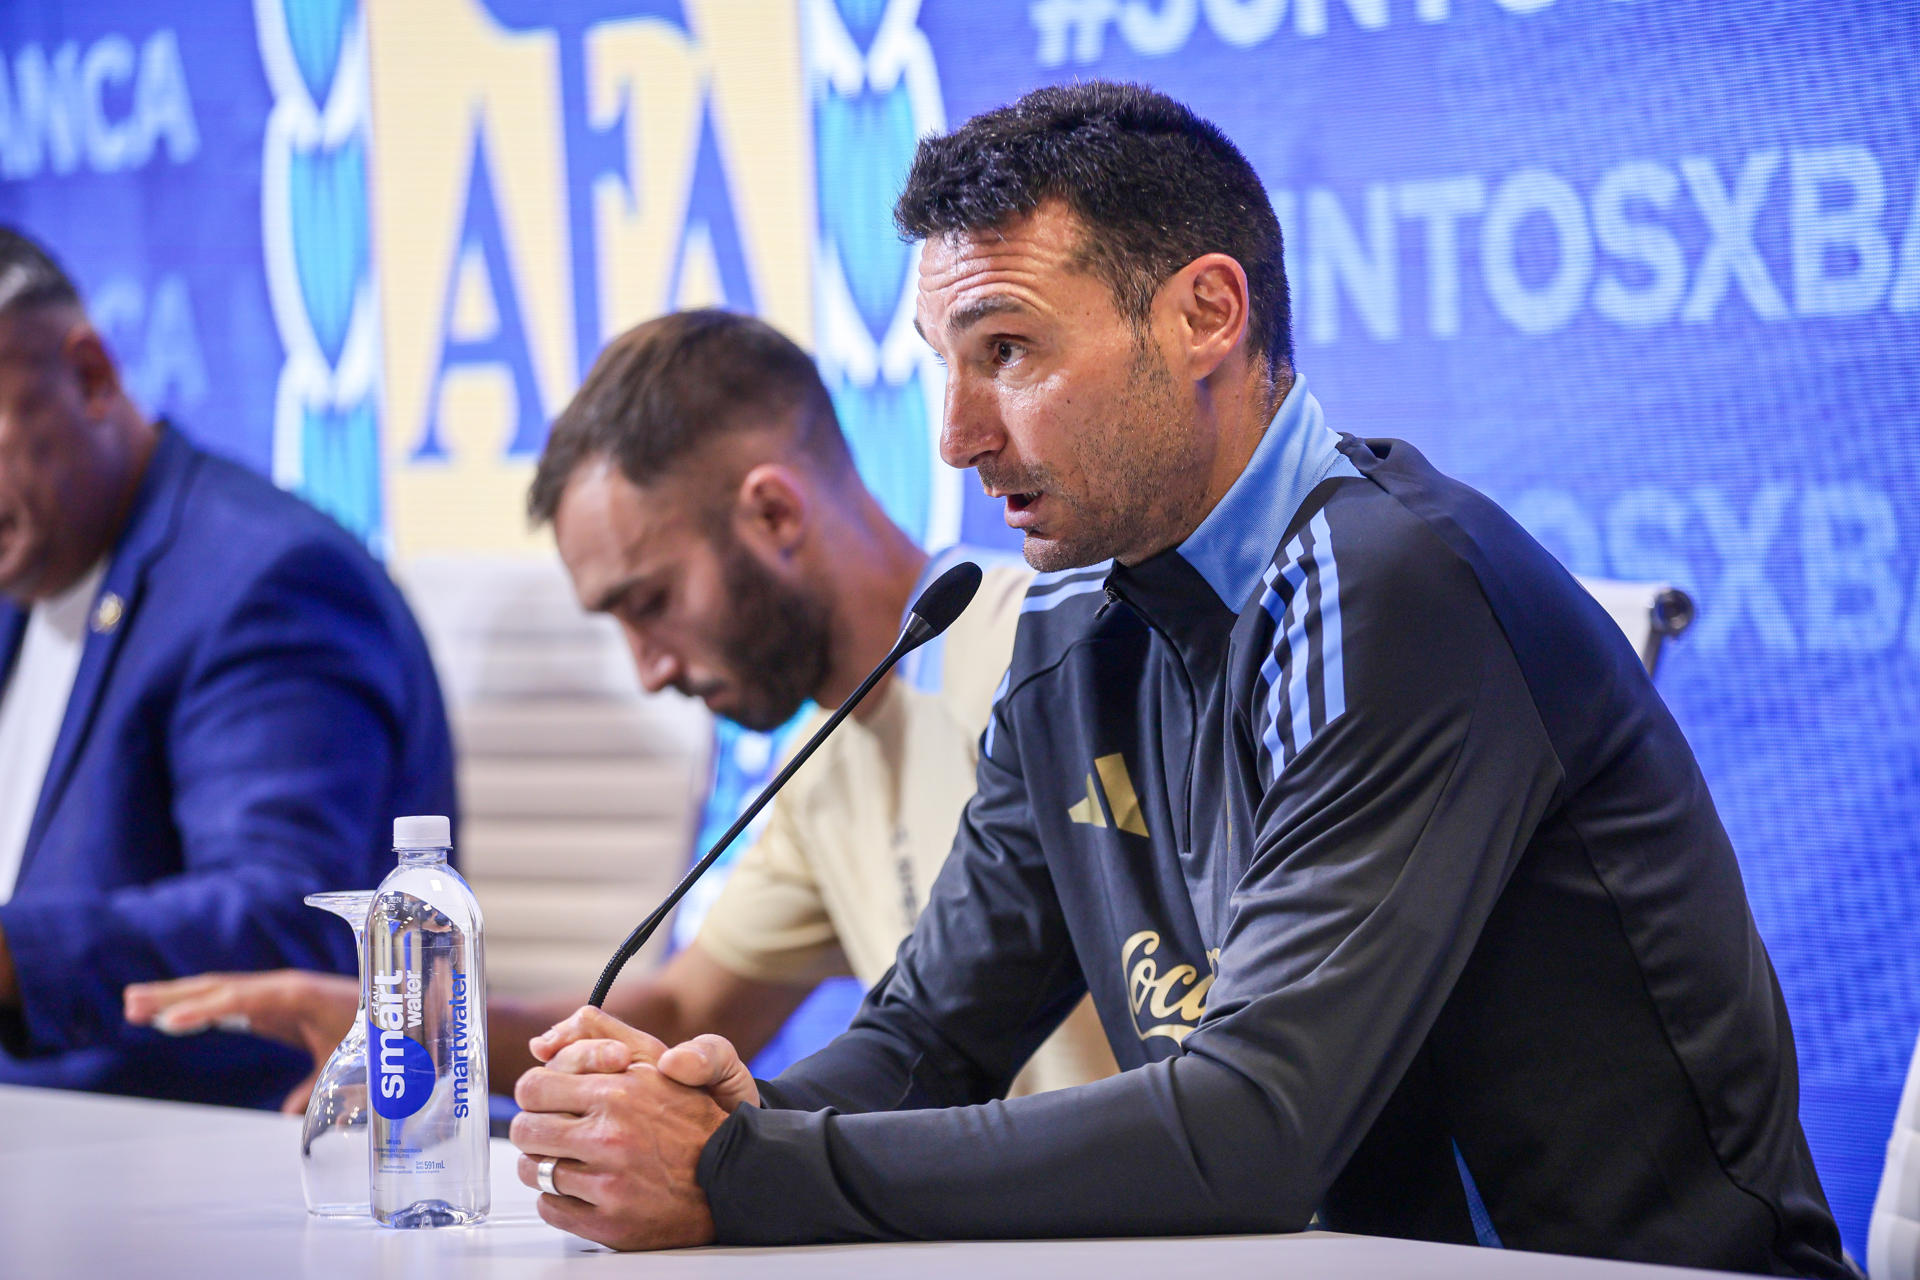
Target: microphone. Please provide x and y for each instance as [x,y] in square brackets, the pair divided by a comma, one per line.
[931,614]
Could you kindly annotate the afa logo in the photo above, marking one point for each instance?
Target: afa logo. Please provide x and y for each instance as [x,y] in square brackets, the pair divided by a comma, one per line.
[545,175]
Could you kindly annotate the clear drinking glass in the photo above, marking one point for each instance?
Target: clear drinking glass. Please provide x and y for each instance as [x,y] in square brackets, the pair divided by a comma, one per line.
[333,1142]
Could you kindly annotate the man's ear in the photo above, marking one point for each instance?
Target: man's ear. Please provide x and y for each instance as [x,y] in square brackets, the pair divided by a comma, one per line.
[1210,310]
[85,352]
[772,509]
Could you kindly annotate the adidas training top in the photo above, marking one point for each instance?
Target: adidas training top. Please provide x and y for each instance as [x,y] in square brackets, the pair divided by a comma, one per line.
[1398,891]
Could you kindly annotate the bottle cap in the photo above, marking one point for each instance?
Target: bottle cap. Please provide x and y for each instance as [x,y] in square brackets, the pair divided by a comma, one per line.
[422,832]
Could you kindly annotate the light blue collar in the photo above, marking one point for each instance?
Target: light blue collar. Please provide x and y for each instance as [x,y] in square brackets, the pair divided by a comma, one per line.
[1234,544]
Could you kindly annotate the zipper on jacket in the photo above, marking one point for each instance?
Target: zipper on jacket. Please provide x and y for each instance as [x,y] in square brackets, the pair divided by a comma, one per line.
[1182,839]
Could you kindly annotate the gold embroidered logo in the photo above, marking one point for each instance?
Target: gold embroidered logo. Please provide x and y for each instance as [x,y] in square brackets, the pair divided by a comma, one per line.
[1179,994]
[1121,800]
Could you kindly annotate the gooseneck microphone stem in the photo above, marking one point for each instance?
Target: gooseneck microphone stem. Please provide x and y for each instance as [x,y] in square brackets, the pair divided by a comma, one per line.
[638,938]
[932,614]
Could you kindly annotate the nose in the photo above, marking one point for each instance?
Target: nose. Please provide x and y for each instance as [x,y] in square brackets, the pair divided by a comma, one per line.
[656,665]
[970,426]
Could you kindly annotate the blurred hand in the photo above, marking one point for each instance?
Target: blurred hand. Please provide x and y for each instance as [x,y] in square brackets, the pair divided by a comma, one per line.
[310,1011]
[627,1118]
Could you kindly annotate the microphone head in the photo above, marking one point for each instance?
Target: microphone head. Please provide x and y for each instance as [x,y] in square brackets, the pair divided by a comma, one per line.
[943,601]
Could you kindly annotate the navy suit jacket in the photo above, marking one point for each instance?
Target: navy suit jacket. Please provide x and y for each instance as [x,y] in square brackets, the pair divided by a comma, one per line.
[240,735]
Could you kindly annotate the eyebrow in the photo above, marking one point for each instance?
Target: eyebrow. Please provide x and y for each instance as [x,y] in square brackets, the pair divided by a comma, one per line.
[964,317]
[615,594]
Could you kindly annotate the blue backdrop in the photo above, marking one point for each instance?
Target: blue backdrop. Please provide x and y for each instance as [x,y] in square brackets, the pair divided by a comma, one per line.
[130,141]
[1646,272]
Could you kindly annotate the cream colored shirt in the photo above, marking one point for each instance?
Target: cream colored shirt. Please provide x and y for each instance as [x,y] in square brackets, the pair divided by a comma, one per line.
[838,876]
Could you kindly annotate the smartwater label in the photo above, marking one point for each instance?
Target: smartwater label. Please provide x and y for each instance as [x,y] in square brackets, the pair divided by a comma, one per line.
[463,1070]
[402,1076]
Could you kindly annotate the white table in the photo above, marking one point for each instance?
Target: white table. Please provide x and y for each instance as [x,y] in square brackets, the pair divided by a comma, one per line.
[94,1186]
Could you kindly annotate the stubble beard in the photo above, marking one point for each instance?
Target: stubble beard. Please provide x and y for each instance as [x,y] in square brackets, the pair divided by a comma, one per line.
[1145,475]
[779,647]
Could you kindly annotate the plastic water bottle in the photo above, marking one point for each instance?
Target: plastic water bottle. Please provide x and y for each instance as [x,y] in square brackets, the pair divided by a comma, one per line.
[426,1038]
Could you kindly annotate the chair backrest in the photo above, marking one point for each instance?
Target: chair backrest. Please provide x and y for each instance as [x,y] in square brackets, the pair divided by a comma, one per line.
[1893,1237]
[578,790]
[1650,613]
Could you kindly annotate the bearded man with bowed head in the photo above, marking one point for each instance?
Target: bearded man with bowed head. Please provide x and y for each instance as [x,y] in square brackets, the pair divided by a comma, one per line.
[1398,890]
[702,496]
[212,703]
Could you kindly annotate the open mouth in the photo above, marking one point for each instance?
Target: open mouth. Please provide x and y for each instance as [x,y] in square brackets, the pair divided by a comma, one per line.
[1018,502]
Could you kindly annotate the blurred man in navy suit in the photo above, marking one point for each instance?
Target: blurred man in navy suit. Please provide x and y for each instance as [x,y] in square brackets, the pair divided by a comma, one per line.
[212,702]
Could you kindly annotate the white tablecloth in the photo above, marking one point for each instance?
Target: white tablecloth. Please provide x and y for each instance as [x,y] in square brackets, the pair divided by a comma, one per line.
[93,1186]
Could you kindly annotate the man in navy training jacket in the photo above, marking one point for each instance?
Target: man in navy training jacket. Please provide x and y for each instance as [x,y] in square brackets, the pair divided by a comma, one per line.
[212,703]
[1397,888]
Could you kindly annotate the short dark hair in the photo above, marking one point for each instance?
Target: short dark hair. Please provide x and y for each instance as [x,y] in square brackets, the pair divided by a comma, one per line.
[1155,184]
[664,388]
[29,277]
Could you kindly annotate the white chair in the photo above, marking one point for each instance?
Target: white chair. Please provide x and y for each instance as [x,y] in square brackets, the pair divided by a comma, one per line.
[1651,613]
[1893,1237]
[578,791]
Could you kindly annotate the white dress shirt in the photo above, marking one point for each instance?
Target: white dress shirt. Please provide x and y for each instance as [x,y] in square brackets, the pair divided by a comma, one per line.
[33,702]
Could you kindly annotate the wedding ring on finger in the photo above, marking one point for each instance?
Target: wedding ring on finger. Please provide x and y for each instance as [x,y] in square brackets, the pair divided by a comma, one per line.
[543,1174]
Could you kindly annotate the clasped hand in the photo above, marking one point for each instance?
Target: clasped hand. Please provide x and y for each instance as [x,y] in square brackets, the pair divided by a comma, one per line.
[627,1117]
